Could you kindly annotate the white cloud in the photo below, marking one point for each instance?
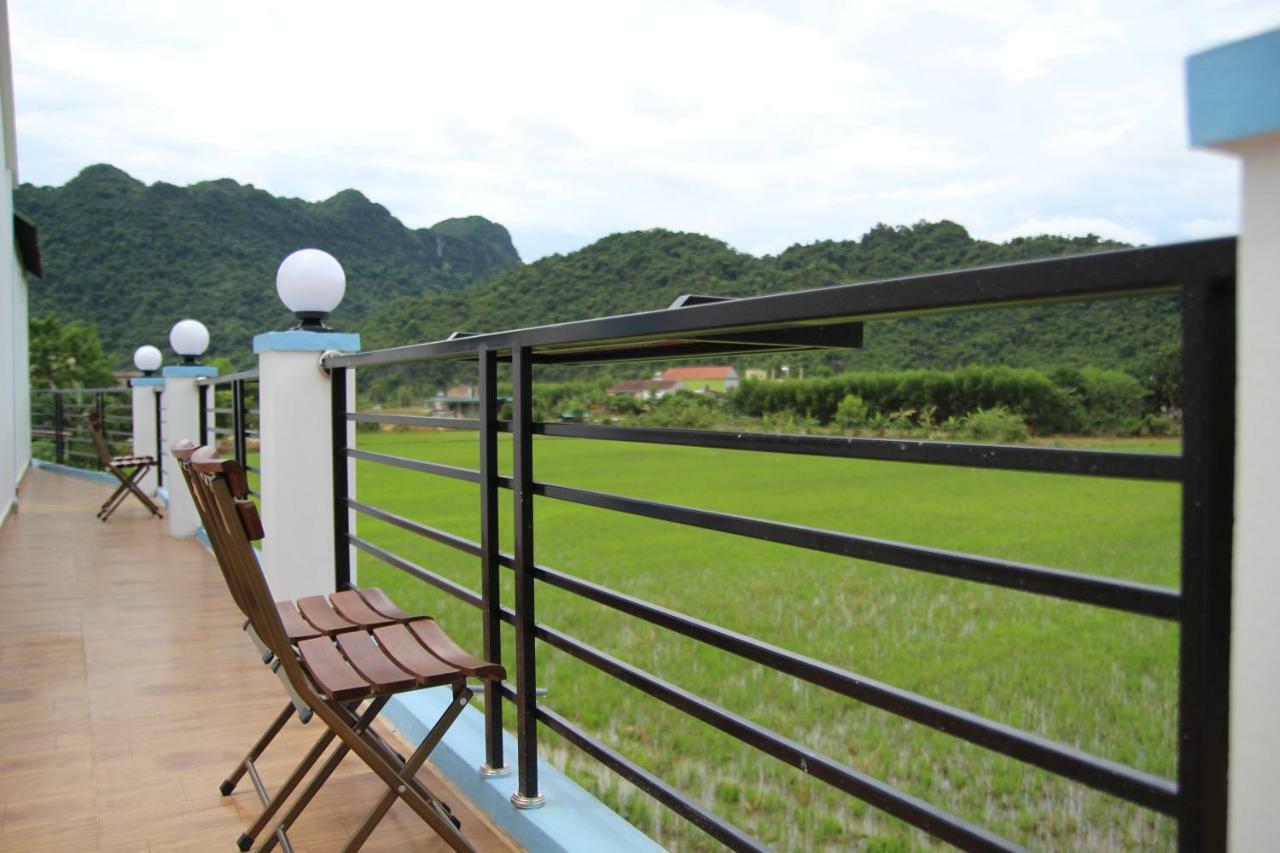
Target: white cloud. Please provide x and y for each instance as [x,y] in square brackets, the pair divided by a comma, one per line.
[1200,229]
[1078,226]
[762,123]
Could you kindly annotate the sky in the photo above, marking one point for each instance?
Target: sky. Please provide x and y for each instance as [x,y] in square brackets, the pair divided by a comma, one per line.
[763,124]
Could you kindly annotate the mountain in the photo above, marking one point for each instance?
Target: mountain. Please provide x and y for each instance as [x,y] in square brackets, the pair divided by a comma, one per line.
[645,270]
[133,259]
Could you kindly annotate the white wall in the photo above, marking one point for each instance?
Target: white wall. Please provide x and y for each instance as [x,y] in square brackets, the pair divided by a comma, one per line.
[1255,647]
[15,396]
[15,393]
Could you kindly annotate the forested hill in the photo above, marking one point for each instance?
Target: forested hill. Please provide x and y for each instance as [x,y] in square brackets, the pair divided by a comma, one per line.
[132,259]
[645,270]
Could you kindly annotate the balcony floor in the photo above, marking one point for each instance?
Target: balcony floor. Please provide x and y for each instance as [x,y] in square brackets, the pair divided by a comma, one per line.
[114,733]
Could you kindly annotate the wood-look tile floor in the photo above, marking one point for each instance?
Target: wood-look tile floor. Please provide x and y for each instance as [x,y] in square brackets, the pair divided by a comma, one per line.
[128,692]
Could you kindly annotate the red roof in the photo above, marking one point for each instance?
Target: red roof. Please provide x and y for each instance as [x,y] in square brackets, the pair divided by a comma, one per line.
[714,372]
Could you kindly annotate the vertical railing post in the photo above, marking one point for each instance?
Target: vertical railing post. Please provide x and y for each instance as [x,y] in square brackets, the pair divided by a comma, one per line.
[526,795]
[101,409]
[489,548]
[1208,405]
[341,483]
[58,442]
[202,395]
[159,438]
[237,421]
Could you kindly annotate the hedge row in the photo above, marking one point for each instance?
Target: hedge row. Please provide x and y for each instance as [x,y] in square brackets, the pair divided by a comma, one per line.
[1069,401]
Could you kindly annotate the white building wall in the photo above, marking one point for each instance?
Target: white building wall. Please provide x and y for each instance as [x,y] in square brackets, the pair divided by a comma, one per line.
[15,397]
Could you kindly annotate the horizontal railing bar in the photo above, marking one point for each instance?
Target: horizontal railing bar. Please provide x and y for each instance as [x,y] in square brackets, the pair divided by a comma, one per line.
[1111,777]
[874,792]
[255,492]
[221,411]
[250,469]
[217,430]
[72,391]
[117,433]
[423,530]
[251,433]
[713,825]
[413,420]
[443,584]
[1049,460]
[229,378]
[92,456]
[1104,592]
[470,475]
[1093,275]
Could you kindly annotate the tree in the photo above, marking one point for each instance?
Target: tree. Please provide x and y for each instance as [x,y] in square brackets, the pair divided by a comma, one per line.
[67,355]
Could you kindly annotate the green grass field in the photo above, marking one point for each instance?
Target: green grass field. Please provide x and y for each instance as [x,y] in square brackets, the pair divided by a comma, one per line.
[1102,681]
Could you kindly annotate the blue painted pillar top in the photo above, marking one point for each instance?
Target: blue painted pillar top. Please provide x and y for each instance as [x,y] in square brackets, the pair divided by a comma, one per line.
[1233,91]
[296,340]
[144,381]
[189,370]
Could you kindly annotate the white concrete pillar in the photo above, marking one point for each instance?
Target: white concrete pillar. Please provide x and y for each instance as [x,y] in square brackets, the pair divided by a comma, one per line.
[296,459]
[146,399]
[1234,103]
[180,418]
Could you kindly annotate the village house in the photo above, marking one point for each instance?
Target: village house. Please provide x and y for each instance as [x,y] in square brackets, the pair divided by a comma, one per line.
[703,378]
[647,389]
[457,401]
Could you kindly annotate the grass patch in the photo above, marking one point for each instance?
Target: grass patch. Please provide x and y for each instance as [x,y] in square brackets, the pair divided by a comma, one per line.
[1102,681]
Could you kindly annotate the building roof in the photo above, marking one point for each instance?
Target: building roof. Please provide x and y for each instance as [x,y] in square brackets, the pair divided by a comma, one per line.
[700,372]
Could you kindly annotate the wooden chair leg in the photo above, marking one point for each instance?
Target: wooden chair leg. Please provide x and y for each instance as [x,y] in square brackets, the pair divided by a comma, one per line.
[408,772]
[229,784]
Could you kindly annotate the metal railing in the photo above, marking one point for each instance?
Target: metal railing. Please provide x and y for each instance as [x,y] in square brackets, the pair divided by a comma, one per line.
[229,416]
[1202,273]
[60,426]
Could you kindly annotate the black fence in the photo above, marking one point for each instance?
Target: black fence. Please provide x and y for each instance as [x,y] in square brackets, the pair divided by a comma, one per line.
[229,416]
[60,424]
[1202,273]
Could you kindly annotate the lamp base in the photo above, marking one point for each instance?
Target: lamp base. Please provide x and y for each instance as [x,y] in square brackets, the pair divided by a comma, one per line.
[311,321]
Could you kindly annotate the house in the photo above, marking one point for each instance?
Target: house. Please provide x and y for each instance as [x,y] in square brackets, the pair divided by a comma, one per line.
[719,378]
[647,389]
[758,374]
[456,401]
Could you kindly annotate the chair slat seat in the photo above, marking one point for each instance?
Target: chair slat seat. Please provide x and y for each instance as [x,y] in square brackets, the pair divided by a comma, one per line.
[403,647]
[317,611]
[440,644]
[353,608]
[295,626]
[331,672]
[368,659]
[382,603]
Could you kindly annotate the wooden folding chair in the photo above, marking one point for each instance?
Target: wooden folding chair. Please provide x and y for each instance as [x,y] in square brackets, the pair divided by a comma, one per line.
[128,470]
[333,674]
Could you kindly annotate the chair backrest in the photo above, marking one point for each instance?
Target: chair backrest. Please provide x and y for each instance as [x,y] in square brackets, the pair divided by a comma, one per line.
[221,485]
[184,451]
[99,439]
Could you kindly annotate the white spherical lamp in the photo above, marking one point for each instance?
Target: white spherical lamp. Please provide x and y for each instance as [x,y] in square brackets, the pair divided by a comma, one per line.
[189,339]
[311,283]
[147,359]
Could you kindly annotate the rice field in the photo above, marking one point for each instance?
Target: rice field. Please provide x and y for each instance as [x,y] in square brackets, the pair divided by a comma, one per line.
[1102,681]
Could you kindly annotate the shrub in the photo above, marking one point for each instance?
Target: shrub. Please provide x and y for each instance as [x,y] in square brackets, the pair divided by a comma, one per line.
[995,424]
[852,412]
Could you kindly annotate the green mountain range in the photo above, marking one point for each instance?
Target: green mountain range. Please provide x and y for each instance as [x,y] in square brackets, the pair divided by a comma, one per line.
[132,259]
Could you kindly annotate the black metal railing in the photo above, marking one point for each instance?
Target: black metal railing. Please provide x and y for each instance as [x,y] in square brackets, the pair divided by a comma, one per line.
[1202,273]
[60,426]
[229,416]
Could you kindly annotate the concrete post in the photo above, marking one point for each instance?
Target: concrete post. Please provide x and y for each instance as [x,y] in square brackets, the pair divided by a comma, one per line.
[296,459]
[180,418]
[146,390]
[1234,104]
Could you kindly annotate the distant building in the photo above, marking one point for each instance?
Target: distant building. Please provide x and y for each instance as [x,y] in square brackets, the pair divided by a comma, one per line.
[757,373]
[647,389]
[457,401]
[719,378]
